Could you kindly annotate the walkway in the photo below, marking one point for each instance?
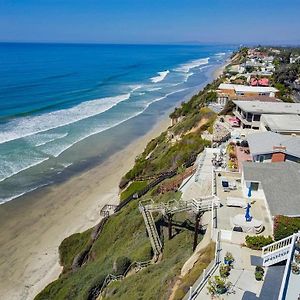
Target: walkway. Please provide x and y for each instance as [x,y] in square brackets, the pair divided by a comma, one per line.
[200,184]
[241,276]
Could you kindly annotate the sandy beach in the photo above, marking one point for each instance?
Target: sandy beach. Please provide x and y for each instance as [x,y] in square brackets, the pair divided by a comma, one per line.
[33,227]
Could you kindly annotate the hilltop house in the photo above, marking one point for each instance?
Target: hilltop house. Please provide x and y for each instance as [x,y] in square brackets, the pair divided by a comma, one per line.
[273,147]
[235,90]
[277,184]
[283,124]
[249,112]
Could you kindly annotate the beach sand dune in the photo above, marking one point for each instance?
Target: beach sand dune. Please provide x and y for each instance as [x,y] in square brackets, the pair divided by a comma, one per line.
[32,227]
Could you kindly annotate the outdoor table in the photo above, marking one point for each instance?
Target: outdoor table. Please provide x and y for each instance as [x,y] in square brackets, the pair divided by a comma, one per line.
[254,225]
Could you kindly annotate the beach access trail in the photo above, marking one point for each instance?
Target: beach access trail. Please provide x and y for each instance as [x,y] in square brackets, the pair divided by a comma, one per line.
[33,227]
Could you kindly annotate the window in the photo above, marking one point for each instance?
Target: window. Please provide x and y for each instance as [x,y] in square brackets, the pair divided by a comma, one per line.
[256,118]
[254,186]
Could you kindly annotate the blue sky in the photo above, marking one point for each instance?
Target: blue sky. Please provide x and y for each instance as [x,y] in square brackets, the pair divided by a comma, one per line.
[150,21]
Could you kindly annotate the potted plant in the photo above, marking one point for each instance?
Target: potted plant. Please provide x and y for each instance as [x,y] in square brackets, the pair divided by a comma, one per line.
[297,257]
[259,273]
[224,270]
[218,286]
[295,268]
[297,245]
[228,259]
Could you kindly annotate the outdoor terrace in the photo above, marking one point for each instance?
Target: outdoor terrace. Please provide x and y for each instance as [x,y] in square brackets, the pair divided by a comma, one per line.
[225,213]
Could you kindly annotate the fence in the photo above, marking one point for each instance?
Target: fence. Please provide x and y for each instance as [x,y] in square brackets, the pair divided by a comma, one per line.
[206,274]
[138,265]
[152,184]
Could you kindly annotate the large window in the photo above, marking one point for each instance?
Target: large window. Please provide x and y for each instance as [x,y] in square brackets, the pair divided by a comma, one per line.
[256,118]
[254,186]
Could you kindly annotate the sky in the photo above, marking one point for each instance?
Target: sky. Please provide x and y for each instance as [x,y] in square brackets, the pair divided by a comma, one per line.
[151,21]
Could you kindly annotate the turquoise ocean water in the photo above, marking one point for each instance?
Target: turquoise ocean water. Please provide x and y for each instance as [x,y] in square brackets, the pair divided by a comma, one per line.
[64,107]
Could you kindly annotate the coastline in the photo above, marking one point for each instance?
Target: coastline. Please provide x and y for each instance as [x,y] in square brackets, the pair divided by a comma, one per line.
[33,251]
[31,260]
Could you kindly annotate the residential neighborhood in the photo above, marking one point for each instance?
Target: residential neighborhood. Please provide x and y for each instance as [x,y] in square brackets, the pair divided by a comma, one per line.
[256,167]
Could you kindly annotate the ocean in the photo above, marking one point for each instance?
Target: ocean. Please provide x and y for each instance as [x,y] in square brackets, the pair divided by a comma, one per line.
[65,107]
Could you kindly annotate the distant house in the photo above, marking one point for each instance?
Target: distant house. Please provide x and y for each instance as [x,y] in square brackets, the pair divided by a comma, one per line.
[294,59]
[277,184]
[273,147]
[283,124]
[236,69]
[234,90]
[249,112]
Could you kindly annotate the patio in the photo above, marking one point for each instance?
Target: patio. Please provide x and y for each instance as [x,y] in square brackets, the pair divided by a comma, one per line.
[225,213]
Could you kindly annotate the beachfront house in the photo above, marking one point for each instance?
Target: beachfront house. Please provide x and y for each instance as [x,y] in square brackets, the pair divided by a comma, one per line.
[249,112]
[235,90]
[276,184]
[283,124]
[273,147]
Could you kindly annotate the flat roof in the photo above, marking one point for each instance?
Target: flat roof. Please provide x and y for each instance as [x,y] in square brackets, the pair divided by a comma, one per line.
[260,98]
[263,142]
[282,123]
[280,183]
[267,108]
[246,88]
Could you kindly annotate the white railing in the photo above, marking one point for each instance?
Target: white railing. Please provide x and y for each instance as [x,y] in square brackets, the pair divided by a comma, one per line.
[277,251]
[277,245]
[287,270]
[200,165]
[206,274]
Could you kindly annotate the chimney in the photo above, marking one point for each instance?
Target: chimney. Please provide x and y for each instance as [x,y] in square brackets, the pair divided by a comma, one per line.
[278,153]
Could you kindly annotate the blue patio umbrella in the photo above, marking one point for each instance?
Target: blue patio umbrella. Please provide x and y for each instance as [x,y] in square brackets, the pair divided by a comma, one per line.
[250,191]
[247,214]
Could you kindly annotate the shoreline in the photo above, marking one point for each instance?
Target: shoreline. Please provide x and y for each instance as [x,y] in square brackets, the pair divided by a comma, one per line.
[37,235]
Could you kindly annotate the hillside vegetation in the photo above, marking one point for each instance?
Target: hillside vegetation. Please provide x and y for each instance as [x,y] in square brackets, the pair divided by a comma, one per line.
[122,239]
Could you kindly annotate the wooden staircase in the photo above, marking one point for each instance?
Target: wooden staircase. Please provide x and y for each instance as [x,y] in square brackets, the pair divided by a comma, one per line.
[152,231]
[279,251]
[197,206]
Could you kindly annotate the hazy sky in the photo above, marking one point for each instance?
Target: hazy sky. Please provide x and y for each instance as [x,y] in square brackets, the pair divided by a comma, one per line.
[150,21]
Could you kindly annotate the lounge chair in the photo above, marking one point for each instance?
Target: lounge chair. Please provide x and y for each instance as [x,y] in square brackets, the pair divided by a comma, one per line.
[236,202]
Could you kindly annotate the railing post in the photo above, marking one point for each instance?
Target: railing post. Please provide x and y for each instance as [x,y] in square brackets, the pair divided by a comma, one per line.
[191,292]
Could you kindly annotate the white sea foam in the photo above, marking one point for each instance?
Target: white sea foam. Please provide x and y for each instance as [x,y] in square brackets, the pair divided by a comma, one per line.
[135,87]
[220,54]
[3,200]
[41,139]
[154,89]
[161,76]
[187,76]
[56,150]
[27,126]
[9,169]
[192,64]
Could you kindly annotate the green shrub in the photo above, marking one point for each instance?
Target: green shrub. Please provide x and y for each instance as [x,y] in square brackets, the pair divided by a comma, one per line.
[73,245]
[285,226]
[259,273]
[224,270]
[121,265]
[133,188]
[257,242]
[259,276]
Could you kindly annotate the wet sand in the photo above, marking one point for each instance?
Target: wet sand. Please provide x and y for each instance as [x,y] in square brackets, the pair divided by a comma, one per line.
[33,226]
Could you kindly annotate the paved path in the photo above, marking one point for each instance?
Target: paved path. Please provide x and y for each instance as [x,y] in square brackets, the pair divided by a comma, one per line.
[200,184]
[241,276]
